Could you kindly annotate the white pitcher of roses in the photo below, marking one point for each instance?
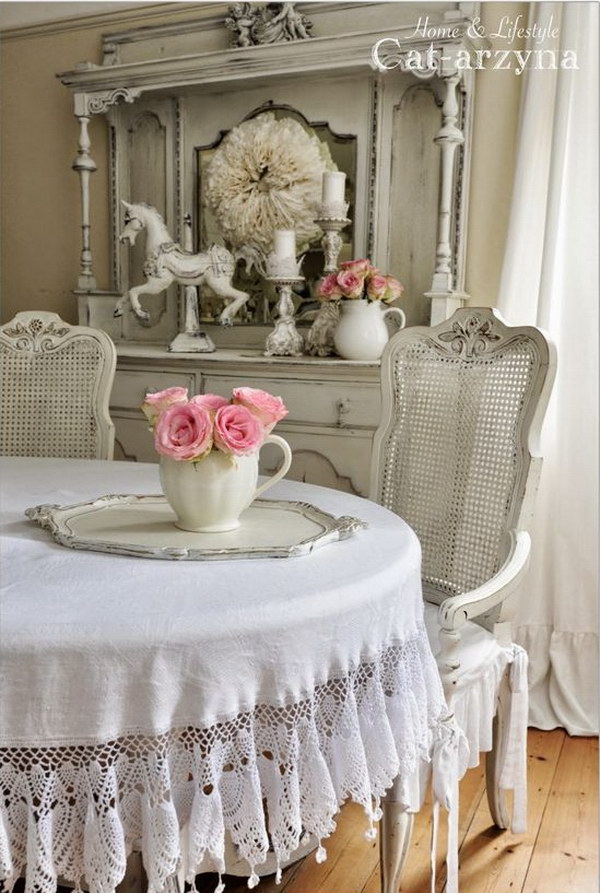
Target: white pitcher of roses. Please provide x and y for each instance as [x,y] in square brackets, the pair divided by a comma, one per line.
[363,293]
[209,450]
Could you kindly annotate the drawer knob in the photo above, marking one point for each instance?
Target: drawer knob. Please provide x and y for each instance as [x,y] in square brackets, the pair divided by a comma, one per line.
[343,408]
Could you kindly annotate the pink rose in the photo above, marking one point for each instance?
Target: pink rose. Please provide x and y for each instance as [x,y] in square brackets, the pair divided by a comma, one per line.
[394,289]
[154,404]
[237,430]
[376,287]
[360,267]
[212,402]
[351,284]
[184,431]
[329,289]
[268,409]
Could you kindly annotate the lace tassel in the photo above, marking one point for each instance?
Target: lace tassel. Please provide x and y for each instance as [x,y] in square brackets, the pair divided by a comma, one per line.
[321,855]
[253,881]
[220,888]
[278,876]
[371,833]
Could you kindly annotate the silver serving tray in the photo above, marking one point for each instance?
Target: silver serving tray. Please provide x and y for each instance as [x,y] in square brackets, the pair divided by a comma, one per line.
[143,526]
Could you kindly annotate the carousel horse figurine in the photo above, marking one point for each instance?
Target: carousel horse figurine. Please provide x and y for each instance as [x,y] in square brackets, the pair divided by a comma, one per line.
[167,262]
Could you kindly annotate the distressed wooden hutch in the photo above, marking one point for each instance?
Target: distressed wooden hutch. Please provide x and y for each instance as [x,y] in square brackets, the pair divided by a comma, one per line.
[168,90]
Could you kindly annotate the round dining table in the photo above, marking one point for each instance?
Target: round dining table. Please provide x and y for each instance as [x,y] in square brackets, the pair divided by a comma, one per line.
[177,707]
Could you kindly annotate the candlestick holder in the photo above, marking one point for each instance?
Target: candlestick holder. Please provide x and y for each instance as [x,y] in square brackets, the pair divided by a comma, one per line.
[332,219]
[284,340]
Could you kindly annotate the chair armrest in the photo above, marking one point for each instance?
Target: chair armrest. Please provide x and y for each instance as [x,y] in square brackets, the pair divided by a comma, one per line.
[455,611]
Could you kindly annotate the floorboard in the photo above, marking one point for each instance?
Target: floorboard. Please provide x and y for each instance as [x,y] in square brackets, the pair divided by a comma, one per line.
[565,857]
[494,861]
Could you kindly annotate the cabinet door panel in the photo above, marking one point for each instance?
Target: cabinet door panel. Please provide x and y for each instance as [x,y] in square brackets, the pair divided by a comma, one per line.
[329,460]
[133,441]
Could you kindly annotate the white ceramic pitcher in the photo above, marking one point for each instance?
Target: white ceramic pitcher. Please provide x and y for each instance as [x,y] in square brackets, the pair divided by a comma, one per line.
[361,333]
[209,496]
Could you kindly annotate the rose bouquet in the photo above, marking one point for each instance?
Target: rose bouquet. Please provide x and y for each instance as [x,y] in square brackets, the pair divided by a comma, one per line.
[188,429]
[359,279]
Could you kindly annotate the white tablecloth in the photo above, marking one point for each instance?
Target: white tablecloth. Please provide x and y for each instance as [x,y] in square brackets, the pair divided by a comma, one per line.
[142,696]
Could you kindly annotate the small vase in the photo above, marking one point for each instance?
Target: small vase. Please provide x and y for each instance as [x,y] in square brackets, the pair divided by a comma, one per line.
[208,496]
[361,333]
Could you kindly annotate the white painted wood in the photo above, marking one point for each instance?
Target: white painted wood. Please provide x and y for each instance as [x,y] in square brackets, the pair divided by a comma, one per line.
[85,165]
[131,387]
[448,138]
[327,457]
[334,405]
[320,406]
[143,526]
[394,843]
[56,382]
[413,190]
[443,306]
[328,78]
[143,168]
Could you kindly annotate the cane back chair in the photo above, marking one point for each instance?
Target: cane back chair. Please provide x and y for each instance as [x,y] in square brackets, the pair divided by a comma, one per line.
[457,456]
[56,382]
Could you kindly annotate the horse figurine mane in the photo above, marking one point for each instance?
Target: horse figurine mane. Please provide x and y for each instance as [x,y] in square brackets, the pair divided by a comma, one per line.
[167,262]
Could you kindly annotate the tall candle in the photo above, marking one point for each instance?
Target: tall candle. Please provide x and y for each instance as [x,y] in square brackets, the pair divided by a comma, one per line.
[284,243]
[334,186]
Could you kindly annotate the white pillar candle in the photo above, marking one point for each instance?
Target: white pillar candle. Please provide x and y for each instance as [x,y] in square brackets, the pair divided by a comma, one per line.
[284,243]
[334,187]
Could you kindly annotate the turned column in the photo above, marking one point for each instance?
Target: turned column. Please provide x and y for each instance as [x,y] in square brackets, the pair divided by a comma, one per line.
[444,300]
[85,106]
[85,165]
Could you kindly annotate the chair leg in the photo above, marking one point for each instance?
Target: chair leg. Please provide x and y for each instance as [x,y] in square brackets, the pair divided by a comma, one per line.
[394,841]
[135,880]
[495,759]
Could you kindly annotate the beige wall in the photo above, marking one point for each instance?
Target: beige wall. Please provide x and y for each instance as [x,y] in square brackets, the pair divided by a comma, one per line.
[40,194]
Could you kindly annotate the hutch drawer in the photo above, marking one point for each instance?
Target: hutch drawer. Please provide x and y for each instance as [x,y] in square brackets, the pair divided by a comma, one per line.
[330,403]
[130,388]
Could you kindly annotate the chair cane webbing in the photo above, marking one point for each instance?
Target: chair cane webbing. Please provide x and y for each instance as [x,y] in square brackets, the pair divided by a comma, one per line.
[55,384]
[455,454]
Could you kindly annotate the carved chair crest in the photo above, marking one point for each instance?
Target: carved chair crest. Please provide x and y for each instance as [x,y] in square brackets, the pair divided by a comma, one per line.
[471,337]
[36,335]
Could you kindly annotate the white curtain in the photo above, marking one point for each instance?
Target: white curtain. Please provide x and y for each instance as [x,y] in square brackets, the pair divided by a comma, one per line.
[550,279]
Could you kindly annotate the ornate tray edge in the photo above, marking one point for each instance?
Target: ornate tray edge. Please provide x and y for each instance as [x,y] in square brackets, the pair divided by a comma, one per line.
[54,518]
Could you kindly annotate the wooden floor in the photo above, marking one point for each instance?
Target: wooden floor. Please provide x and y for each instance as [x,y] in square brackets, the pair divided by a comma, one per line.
[559,853]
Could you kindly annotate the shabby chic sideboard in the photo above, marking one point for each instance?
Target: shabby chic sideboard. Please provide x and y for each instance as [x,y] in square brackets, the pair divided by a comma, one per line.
[168,94]
[333,406]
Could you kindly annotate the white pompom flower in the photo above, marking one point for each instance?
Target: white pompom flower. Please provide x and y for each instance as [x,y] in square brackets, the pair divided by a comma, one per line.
[267,175]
